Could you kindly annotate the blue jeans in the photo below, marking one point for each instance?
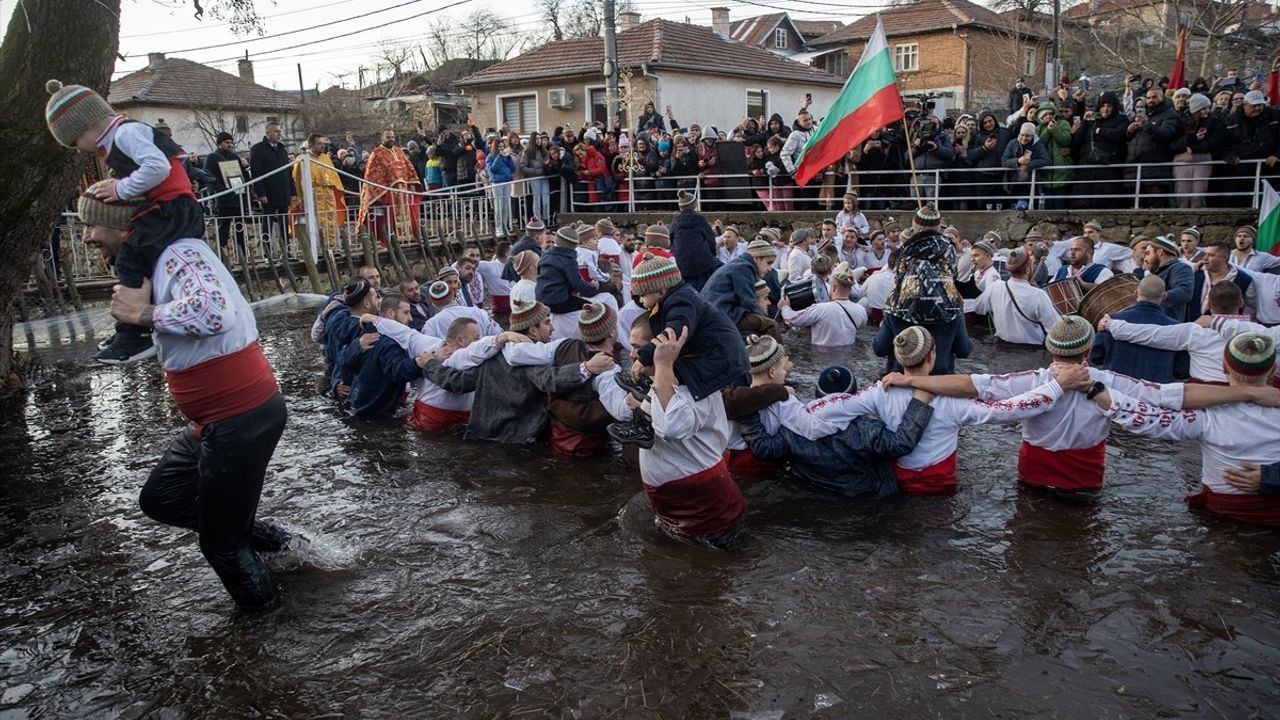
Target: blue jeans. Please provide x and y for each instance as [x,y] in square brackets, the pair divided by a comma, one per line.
[501,208]
[540,198]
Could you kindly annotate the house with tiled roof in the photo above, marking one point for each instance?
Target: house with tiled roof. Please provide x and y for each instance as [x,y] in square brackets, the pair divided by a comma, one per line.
[197,102]
[958,53]
[704,76]
[780,33]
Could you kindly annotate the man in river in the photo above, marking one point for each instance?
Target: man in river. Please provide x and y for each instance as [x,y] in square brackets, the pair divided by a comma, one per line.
[210,478]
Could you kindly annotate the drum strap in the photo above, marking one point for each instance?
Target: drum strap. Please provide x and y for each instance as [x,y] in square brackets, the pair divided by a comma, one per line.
[847,314]
[1013,298]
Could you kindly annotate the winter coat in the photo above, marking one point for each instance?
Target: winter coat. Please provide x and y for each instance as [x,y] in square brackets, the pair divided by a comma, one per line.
[714,356]
[693,244]
[510,404]
[978,155]
[1215,137]
[1101,141]
[1015,149]
[526,242]
[732,288]
[1136,361]
[1054,138]
[229,203]
[560,285]
[1179,286]
[379,376]
[653,119]
[938,158]
[855,462]
[263,158]
[533,162]
[593,165]
[782,129]
[502,169]
[1151,143]
[1254,138]
[793,147]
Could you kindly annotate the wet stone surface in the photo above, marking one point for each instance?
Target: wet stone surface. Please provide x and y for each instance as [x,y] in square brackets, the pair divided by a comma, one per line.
[471,580]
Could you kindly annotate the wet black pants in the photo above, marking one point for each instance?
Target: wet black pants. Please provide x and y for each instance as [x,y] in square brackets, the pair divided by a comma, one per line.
[211,484]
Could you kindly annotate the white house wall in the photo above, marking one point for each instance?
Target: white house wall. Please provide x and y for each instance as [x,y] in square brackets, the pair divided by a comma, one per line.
[722,101]
[187,132]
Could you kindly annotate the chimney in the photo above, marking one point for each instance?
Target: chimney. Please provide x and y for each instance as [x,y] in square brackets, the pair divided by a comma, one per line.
[628,19]
[245,67]
[720,21]
[155,61]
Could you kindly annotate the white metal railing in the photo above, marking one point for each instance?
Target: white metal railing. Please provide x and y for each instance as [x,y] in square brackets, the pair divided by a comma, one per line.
[477,210]
[1116,186]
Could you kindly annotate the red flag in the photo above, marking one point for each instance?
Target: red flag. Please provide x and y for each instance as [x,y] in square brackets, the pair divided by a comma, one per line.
[1178,78]
[1273,87]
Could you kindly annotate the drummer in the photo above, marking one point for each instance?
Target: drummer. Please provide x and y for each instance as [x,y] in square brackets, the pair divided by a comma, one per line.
[1080,265]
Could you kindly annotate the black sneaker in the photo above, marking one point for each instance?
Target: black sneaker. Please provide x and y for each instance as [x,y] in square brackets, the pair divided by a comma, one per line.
[637,432]
[127,348]
[107,343]
[639,388]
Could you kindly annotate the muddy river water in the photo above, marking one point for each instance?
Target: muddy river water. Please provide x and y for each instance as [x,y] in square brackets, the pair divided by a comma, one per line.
[464,580]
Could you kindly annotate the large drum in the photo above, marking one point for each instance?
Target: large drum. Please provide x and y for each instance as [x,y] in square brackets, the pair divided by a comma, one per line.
[1109,297]
[1066,295]
[800,294]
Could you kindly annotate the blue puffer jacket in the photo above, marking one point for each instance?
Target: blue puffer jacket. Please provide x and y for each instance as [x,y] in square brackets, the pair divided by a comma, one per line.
[1179,286]
[855,462]
[559,280]
[1136,361]
[378,375]
[693,245]
[340,328]
[950,341]
[501,169]
[732,288]
[714,357]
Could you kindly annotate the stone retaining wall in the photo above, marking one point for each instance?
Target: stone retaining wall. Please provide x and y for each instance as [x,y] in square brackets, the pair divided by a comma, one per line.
[1119,225]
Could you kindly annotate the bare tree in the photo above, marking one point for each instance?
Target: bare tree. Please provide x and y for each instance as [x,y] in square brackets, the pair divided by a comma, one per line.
[550,13]
[395,56]
[76,43]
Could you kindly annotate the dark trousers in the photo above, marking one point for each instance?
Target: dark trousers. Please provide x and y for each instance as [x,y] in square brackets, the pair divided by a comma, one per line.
[273,222]
[230,220]
[211,485]
[155,227]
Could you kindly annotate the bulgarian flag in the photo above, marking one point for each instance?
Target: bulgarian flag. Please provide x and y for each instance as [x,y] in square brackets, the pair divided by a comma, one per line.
[1269,221]
[868,101]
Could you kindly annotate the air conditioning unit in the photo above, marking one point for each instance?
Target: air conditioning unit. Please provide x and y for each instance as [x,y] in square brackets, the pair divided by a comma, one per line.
[559,98]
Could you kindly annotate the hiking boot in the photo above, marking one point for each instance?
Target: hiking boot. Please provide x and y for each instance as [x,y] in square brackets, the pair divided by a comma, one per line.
[638,387]
[638,432]
[126,348]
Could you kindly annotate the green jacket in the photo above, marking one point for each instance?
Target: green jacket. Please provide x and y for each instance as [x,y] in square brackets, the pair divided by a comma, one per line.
[1055,137]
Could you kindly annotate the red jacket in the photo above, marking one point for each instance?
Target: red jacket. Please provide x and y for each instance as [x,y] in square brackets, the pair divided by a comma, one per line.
[593,166]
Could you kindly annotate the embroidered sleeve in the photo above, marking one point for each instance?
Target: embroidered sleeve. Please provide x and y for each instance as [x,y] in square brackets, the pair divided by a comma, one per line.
[1154,421]
[1018,407]
[1163,337]
[200,305]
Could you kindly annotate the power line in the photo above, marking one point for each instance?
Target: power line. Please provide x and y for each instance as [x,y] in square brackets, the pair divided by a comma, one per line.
[306,29]
[213,26]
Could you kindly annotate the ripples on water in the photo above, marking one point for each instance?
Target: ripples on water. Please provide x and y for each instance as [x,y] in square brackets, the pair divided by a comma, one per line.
[474,580]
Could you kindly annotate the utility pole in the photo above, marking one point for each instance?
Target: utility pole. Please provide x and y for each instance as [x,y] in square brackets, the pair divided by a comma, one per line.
[1057,27]
[610,63]
[302,89]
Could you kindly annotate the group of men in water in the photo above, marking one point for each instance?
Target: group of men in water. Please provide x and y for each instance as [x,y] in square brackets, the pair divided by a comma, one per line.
[670,344]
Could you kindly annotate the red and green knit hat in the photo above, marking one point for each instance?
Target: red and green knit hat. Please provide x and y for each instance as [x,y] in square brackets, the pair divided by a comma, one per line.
[1249,355]
[1070,336]
[526,315]
[440,293]
[654,274]
[596,321]
[72,110]
[927,218]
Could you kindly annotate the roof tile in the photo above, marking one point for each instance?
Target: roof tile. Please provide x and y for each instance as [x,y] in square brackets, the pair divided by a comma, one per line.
[183,83]
[658,44]
[917,17]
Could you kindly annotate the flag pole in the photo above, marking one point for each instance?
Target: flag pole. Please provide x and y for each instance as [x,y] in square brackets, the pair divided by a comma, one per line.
[911,157]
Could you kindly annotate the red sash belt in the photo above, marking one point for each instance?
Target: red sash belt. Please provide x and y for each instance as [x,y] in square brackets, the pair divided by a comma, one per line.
[744,464]
[570,442]
[429,417]
[501,304]
[223,387]
[703,503]
[939,477]
[1248,509]
[1076,469]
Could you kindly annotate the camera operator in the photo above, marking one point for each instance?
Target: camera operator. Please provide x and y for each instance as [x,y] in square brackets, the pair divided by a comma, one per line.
[931,149]
[884,157]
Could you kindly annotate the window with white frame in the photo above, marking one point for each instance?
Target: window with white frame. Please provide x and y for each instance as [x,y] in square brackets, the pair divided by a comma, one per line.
[757,103]
[780,38]
[599,110]
[1029,61]
[520,112]
[906,57]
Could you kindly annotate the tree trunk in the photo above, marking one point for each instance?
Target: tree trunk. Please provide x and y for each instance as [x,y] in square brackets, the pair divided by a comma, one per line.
[75,43]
